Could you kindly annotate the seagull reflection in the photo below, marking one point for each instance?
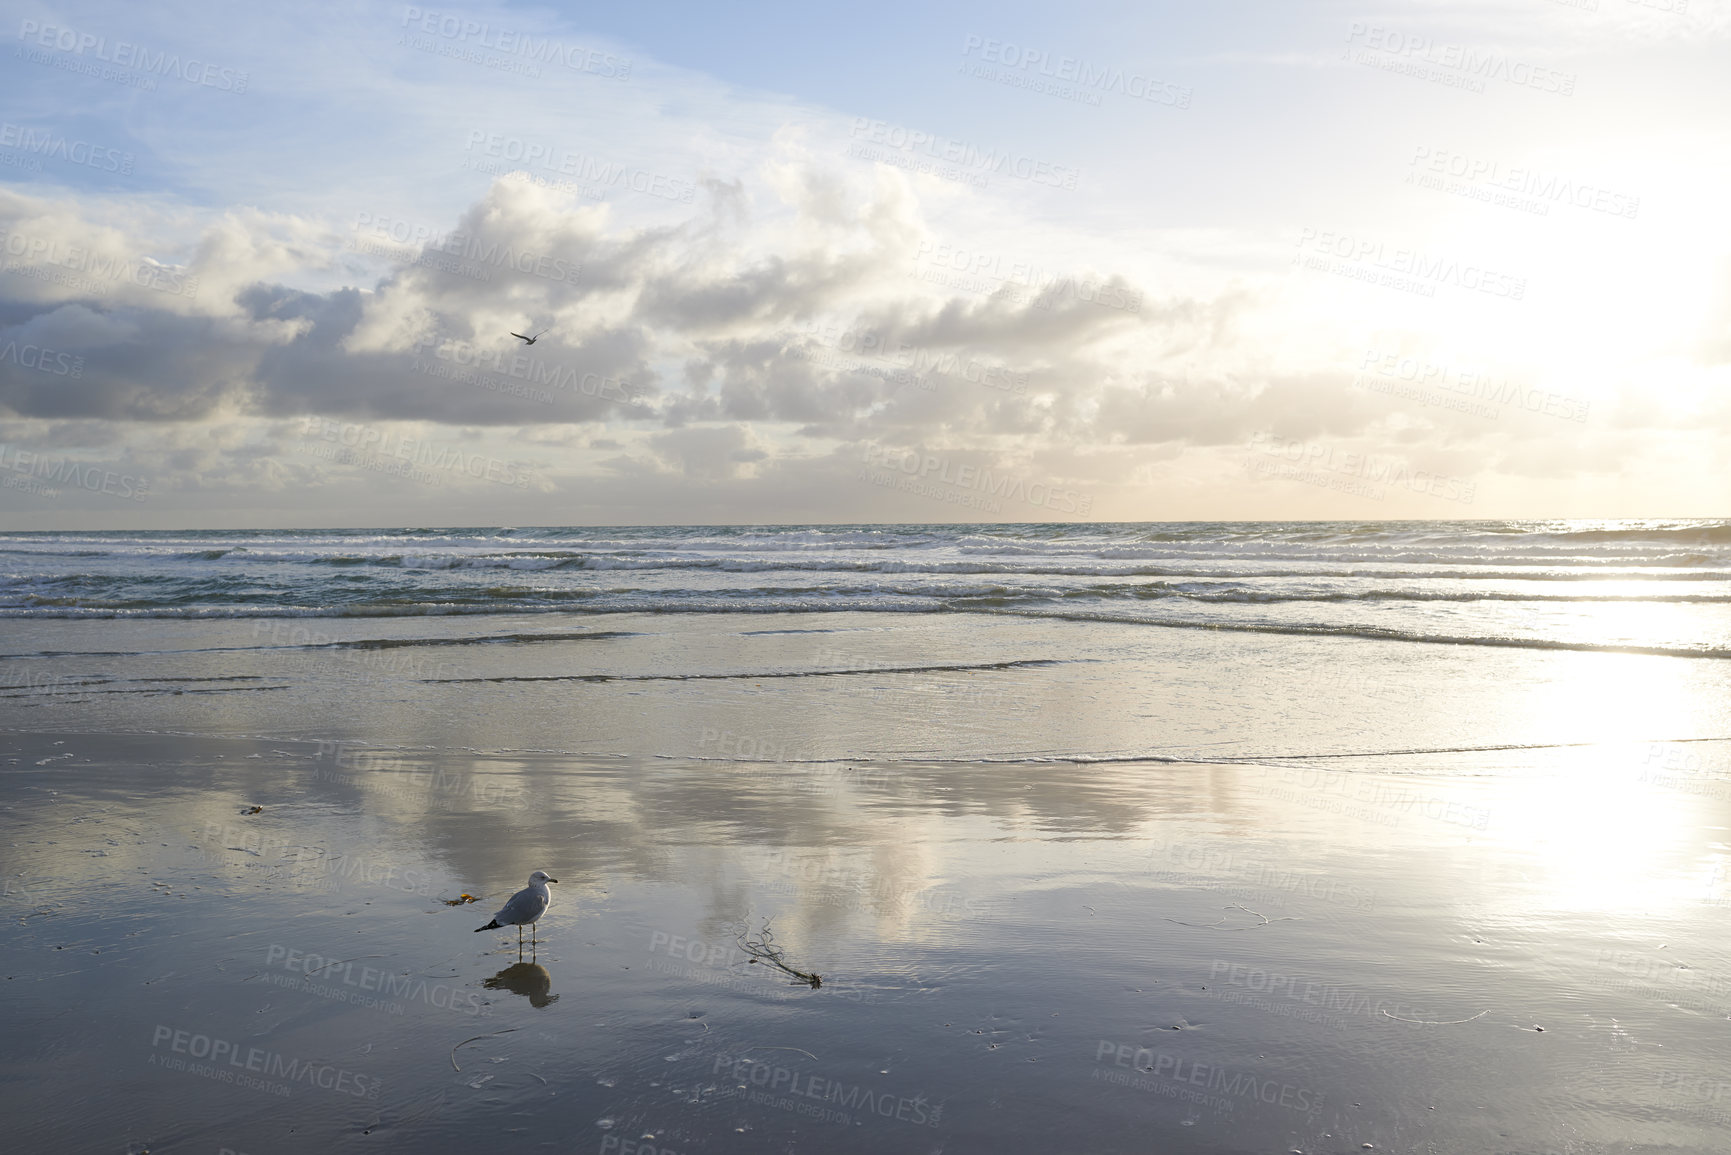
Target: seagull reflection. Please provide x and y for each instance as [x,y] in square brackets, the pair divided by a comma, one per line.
[531,980]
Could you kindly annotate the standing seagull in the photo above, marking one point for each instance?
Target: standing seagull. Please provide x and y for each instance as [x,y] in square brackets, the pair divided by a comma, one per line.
[531,341]
[526,906]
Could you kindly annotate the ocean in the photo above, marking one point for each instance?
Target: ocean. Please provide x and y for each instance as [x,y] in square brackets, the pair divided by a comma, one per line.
[1647,587]
[1190,837]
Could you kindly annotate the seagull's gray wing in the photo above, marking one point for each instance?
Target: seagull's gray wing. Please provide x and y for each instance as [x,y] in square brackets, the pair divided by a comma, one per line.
[525,906]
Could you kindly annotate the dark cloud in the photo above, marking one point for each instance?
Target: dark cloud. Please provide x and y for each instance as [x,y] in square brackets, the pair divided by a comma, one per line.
[121,363]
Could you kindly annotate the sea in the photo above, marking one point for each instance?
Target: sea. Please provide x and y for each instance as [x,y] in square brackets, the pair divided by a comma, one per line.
[1633,587]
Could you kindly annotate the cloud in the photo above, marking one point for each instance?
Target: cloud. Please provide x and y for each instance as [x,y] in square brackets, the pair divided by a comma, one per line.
[745,347]
[429,340]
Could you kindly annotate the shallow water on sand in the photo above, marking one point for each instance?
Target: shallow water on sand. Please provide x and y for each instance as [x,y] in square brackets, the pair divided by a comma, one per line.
[1043,918]
[1205,957]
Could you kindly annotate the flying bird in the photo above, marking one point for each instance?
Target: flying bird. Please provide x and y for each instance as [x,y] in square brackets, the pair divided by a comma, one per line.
[531,341]
[526,906]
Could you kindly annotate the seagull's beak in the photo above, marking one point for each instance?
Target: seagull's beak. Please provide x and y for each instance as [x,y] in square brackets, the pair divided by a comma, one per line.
[552,880]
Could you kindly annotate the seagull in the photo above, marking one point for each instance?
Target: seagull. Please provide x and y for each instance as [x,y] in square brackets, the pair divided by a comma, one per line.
[531,341]
[526,906]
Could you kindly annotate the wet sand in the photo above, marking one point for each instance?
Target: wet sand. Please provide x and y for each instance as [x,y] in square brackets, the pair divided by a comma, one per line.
[1109,957]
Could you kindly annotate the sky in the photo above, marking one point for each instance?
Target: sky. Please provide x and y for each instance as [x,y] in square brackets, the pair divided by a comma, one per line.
[897,263]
